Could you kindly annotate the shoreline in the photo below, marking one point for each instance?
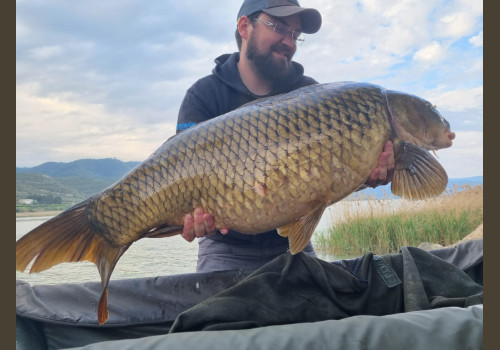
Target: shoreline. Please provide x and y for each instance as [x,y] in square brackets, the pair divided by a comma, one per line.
[37,213]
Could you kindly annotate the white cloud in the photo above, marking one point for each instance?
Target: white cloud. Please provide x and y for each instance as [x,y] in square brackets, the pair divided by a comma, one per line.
[108,80]
[68,130]
[366,41]
[46,52]
[433,53]
[477,40]
[458,18]
[456,25]
[457,100]
[21,29]
[465,157]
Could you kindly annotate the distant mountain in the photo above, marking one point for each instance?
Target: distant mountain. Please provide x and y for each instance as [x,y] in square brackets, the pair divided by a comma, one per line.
[73,181]
[70,189]
[108,168]
[465,181]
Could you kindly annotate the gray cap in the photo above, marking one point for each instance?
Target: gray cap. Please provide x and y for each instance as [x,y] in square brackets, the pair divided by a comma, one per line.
[311,18]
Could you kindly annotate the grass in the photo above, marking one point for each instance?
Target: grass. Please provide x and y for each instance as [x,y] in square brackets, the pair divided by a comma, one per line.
[384,226]
[31,208]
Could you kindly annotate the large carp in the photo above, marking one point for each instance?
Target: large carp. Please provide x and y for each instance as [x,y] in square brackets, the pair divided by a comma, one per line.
[275,163]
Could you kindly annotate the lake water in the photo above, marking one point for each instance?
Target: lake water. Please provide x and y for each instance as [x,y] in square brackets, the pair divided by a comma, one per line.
[144,258]
[164,256]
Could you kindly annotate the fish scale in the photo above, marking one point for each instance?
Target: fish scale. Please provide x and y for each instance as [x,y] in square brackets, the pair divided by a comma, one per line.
[274,163]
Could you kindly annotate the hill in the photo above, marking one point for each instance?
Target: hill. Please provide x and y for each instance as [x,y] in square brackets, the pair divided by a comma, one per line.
[69,189]
[65,184]
[108,168]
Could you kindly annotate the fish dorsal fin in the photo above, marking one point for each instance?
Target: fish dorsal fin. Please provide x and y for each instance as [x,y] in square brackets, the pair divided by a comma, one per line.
[417,175]
[258,100]
[300,231]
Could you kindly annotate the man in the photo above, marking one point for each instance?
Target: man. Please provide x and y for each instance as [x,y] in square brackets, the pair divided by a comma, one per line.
[267,35]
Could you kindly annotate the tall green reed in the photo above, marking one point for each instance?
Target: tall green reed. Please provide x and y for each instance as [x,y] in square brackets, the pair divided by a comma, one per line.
[382,227]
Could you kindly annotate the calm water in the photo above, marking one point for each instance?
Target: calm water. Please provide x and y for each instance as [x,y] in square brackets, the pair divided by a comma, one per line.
[164,256]
[146,257]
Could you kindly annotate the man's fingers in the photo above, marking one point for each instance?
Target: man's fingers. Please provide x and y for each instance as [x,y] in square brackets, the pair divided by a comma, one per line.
[188,230]
[384,171]
[389,148]
[383,161]
[373,177]
[199,225]
[209,224]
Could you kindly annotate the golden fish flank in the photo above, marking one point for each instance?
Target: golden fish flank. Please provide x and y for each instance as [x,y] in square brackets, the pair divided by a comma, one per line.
[276,163]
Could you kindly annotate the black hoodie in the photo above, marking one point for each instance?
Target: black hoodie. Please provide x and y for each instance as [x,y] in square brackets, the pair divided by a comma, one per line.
[221,92]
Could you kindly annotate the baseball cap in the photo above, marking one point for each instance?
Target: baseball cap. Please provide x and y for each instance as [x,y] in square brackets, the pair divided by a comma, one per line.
[310,18]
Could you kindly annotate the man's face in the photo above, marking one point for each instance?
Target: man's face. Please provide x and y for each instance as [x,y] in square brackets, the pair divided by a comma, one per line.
[271,53]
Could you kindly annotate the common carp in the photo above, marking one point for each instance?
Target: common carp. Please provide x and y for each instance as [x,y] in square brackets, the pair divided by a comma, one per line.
[274,163]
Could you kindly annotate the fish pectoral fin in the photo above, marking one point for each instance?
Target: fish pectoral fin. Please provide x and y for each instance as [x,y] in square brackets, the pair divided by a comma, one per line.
[164,231]
[417,174]
[300,231]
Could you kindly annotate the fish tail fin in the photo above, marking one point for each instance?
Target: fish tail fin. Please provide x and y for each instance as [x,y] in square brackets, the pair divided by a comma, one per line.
[418,175]
[68,237]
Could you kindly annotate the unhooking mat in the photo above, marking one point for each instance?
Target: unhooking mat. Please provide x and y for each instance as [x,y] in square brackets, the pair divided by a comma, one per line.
[292,289]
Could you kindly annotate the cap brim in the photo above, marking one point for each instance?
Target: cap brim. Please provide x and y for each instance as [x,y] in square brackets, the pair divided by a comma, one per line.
[311,18]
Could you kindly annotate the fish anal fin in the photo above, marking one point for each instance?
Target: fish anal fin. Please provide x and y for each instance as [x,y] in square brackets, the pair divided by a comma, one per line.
[300,231]
[417,174]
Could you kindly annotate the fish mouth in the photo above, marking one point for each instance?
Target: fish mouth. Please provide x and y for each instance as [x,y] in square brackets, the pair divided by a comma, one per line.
[451,136]
[445,141]
[448,138]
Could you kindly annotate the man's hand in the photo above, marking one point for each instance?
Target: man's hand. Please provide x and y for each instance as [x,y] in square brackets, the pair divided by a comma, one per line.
[198,225]
[384,171]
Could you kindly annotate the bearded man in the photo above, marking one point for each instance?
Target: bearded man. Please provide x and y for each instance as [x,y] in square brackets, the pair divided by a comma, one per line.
[267,34]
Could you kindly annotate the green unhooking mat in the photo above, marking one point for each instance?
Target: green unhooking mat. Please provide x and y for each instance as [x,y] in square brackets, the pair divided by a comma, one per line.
[299,288]
[290,290]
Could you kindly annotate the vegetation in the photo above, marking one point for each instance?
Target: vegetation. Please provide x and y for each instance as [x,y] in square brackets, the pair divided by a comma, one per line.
[382,229]
[33,208]
[56,186]
[88,168]
[39,192]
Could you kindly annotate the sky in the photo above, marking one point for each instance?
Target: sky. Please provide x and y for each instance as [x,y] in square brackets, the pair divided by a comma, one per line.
[105,79]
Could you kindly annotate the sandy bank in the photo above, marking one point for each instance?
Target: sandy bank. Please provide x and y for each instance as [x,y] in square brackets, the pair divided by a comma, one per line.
[37,213]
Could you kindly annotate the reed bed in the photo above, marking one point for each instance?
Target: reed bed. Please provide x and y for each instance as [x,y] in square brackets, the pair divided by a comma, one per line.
[384,226]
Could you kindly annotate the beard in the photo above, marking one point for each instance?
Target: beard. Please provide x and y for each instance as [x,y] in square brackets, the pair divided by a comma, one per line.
[266,65]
